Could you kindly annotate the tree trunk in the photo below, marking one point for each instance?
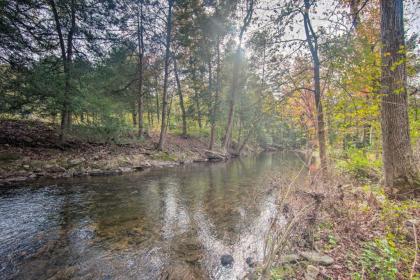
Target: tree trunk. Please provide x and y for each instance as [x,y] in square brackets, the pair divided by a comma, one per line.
[166,76]
[157,99]
[134,116]
[216,97]
[236,62]
[312,42]
[399,167]
[228,132]
[181,100]
[66,57]
[196,97]
[140,101]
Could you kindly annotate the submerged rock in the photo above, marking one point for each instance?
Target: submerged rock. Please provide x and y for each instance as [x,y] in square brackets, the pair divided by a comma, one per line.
[316,257]
[226,260]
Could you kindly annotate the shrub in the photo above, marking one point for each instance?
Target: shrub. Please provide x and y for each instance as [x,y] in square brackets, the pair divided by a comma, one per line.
[358,163]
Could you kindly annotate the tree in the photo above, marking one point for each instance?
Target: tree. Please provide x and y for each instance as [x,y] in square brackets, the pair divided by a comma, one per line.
[140,42]
[66,48]
[236,64]
[399,167]
[181,99]
[166,76]
[312,41]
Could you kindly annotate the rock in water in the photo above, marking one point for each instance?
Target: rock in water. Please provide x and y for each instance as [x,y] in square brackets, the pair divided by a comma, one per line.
[311,272]
[315,257]
[226,260]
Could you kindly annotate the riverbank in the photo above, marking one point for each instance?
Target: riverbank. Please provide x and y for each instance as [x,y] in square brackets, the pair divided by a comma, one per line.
[345,228]
[30,150]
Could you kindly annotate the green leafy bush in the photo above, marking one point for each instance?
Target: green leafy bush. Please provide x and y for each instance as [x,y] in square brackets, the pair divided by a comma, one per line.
[109,130]
[358,163]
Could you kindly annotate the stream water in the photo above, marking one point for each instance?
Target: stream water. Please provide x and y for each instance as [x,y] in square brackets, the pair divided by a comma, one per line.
[174,222]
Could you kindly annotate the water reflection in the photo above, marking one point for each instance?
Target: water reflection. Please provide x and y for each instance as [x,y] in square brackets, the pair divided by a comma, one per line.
[175,221]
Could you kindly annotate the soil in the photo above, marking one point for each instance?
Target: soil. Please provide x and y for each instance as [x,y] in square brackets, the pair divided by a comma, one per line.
[31,149]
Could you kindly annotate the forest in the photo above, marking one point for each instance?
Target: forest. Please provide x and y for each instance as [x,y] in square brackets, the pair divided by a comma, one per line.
[90,89]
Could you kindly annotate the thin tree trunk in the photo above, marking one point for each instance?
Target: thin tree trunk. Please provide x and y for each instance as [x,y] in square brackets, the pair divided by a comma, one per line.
[399,167]
[134,116]
[181,100]
[66,57]
[196,97]
[166,76]
[235,76]
[216,96]
[228,132]
[311,39]
[140,102]
[157,100]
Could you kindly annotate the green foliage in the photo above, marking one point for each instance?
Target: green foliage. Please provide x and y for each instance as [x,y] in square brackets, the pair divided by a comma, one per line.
[360,164]
[109,130]
[379,261]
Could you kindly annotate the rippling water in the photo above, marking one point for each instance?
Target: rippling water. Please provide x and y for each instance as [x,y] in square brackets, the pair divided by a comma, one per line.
[173,221]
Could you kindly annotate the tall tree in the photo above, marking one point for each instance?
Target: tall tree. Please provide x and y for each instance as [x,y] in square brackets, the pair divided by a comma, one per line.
[140,42]
[181,99]
[66,48]
[217,87]
[166,76]
[399,167]
[235,75]
[312,41]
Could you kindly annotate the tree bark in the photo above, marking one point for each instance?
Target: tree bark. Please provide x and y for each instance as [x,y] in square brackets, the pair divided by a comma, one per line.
[66,57]
[181,100]
[157,99]
[216,96]
[140,41]
[166,76]
[398,161]
[312,42]
[196,97]
[134,116]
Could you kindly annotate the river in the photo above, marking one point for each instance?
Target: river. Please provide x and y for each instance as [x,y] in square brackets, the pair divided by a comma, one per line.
[169,223]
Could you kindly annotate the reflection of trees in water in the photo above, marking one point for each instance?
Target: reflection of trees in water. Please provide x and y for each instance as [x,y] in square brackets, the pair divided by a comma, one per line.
[177,218]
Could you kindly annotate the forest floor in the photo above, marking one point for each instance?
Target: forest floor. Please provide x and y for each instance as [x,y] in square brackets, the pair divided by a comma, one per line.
[354,230]
[31,149]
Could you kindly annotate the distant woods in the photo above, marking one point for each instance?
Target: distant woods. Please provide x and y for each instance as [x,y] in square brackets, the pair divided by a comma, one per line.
[337,76]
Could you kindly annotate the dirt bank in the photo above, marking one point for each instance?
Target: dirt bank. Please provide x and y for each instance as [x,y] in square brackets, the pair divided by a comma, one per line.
[31,150]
